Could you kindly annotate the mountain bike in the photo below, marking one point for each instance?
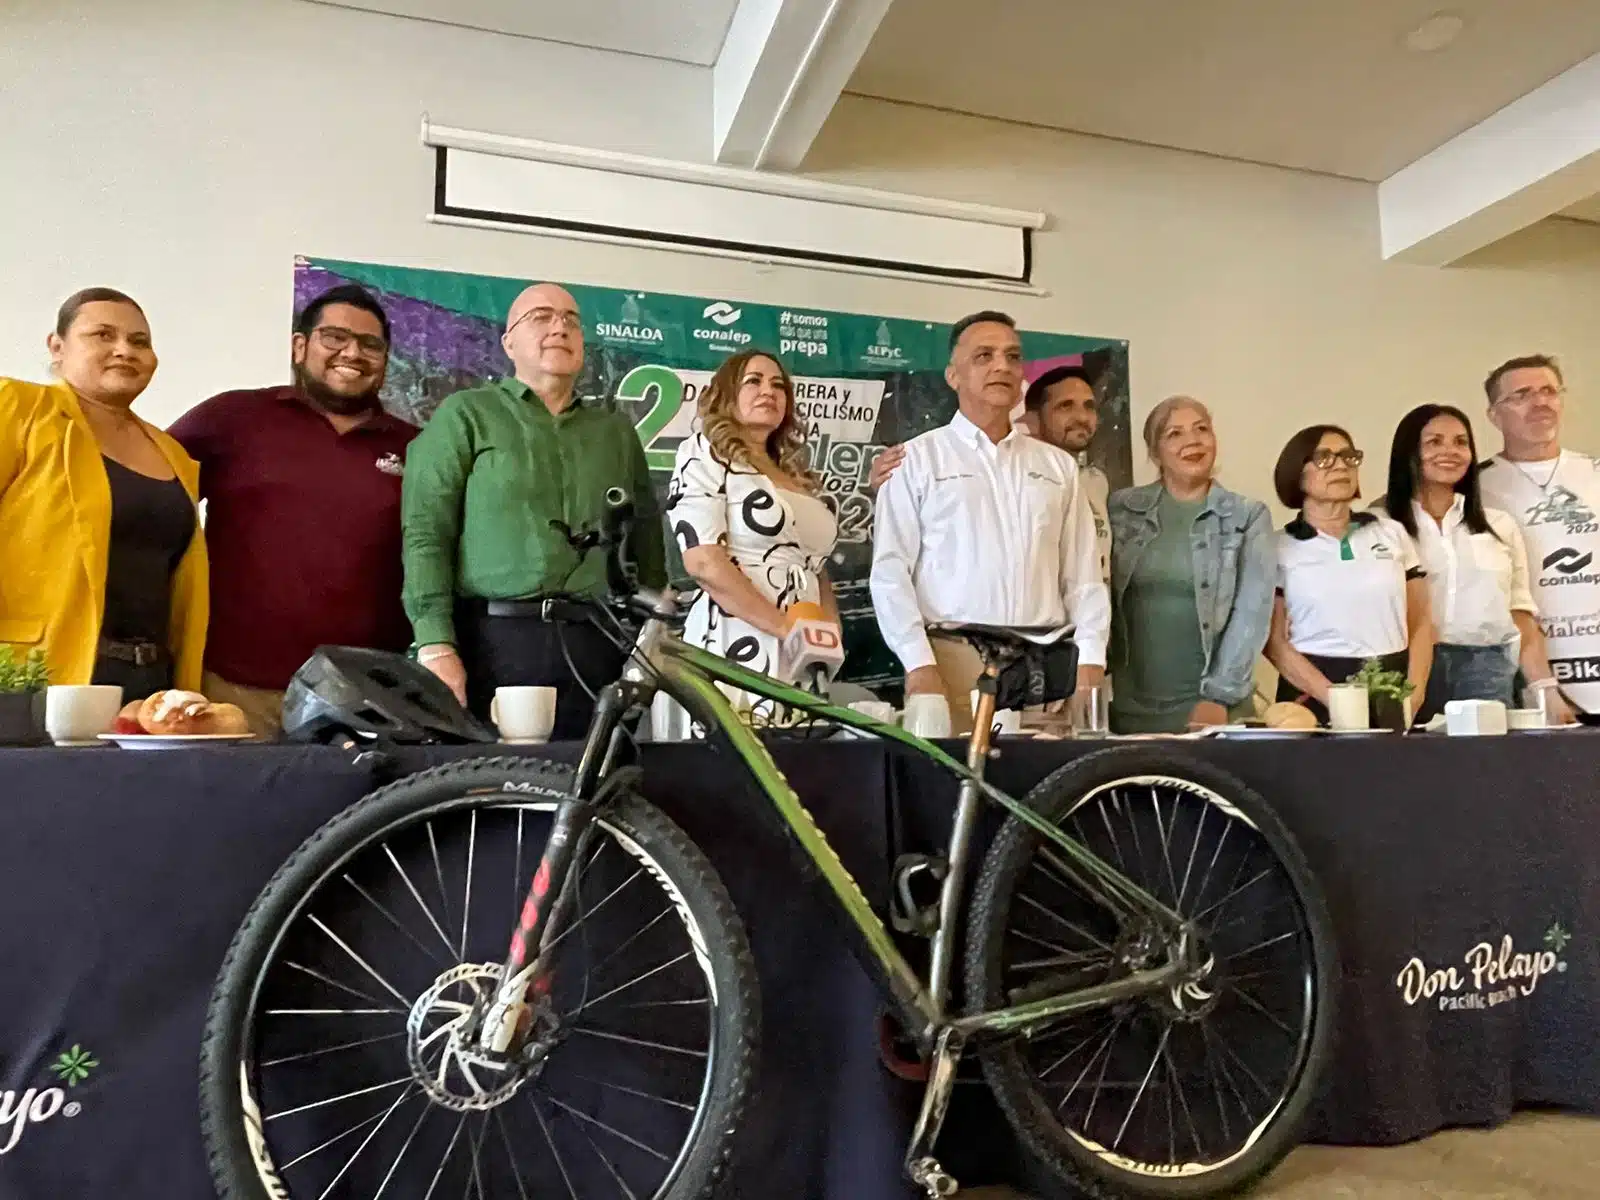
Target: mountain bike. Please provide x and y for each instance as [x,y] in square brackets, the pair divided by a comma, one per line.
[1147,976]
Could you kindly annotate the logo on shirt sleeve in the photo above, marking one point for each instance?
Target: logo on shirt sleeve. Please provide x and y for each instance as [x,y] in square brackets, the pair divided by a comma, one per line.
[391,464]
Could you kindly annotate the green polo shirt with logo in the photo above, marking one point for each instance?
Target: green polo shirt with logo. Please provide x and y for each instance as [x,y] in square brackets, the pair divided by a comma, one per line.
[484,480]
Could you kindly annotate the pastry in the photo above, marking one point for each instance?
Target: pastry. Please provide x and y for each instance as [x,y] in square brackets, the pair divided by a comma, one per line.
[1287,715]
[175,712]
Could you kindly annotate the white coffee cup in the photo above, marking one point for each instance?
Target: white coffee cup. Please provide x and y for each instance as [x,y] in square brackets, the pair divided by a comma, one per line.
[1347,707]
[927,715]
[77,714]
[878,710]
[524,714]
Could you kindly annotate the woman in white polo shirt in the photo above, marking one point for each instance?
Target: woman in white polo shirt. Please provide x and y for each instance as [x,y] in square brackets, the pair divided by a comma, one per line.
[1350,584]
[1477,565]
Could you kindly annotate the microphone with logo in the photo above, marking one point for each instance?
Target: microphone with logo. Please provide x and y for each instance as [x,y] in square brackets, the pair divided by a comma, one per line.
[812,651]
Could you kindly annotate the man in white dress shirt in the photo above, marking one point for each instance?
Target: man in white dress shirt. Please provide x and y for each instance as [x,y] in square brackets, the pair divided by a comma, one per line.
[1554,495]
[983,523]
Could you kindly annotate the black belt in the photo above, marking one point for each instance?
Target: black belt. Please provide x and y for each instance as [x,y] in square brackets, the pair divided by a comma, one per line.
[531,608]
[139,653]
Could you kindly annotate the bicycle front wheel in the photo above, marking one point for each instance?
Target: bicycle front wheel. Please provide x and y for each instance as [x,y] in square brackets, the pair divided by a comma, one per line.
[335,1064]
[1192,1093]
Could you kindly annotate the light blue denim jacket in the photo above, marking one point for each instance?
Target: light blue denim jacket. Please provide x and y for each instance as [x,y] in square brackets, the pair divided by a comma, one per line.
[1235,573]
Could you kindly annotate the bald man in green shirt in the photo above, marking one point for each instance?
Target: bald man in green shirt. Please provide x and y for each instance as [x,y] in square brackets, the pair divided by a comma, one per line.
[485,483]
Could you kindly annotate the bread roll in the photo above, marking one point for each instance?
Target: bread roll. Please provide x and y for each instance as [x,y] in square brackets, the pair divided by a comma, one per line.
[1287,715]
[220,719]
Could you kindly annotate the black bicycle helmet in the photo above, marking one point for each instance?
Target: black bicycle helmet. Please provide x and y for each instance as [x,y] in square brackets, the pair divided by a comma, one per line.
[374,696]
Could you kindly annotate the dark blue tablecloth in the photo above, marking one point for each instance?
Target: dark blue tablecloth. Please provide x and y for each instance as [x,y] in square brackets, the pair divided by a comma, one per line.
[123,876]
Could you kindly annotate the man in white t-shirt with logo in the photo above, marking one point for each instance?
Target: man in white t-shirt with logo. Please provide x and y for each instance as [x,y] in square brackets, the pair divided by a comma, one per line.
[984,524]
[1554,495]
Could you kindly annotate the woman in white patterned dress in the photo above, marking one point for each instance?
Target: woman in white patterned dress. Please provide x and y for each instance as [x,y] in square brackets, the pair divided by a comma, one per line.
[744,509]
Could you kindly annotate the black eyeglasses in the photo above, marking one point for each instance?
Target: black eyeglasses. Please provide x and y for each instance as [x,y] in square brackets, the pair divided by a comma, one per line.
[1323,459]
[336,338]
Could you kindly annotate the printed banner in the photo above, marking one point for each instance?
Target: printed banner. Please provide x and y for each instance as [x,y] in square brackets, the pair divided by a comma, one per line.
[861,383]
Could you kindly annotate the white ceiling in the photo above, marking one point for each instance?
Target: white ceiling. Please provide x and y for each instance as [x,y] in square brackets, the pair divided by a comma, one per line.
[689,31]
[1321,85]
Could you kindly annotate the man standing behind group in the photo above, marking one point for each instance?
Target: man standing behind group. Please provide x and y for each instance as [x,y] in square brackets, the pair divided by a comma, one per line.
[1554,495]
[302,491]
[495,473]
[983,523]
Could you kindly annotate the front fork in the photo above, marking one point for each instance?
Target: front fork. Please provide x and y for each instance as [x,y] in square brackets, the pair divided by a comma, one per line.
[523,971]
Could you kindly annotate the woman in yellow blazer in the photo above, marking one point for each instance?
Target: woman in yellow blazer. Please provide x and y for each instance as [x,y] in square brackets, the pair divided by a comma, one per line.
[102,560]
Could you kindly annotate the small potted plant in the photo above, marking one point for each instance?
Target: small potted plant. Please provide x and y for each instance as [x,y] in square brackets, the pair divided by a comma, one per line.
[22,690]
[1387,693]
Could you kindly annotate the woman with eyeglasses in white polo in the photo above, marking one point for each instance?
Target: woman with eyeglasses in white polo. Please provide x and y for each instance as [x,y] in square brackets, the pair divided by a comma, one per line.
[1350,584]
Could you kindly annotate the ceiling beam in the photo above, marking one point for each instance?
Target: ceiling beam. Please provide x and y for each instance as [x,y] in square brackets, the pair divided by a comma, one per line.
[780,72]
[1535,157]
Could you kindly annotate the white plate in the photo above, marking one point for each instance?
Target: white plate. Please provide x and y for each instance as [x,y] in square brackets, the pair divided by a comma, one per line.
[1262,732]
[171,741]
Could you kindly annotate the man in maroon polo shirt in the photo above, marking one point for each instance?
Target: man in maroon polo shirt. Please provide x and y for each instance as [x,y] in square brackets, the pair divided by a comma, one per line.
[302,491]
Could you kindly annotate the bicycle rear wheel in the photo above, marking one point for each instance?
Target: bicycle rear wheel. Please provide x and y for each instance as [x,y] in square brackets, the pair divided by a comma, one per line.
[333,1069]
[1193,1093]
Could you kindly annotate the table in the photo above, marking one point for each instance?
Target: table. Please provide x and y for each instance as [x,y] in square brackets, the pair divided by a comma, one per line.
[124,876]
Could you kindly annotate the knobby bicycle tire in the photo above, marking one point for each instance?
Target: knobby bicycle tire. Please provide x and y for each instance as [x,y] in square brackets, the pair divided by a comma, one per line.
[1067,1162]
[706,1161]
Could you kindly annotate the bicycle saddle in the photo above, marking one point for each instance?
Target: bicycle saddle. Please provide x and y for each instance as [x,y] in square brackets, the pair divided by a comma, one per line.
[1018,636]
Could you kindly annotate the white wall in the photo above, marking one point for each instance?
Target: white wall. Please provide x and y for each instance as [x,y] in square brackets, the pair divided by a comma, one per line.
[185,150]
[171,152]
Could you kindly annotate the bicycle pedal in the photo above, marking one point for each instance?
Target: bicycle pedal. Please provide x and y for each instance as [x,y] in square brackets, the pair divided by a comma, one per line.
[927,1174]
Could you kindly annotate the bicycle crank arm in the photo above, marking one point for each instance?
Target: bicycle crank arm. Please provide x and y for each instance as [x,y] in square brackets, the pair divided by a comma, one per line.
[1029,1017]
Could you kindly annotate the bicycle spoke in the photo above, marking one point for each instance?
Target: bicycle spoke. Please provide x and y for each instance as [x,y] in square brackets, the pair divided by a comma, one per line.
[417,896]
[1116,846]
[367,1091]
[1251,914]
[385,1037]
[438,875]
[1165,833]
[350,1162]
[466,899]
[1183,1103]
[1222,1103]
[427,1110]
[560,937]
[636,979]
[1139,1095]
[617,1087]
[395,921]
[648,1045]
[1055,916]
[616,1133]
[1105,1041]
[1282,937]
[1183,888]
[1100,1082]
[331,1012]
[1133,832]
[703,1002]
[1256,1004]
[338,1137]
[361,962]
[1051,1069]
[554,1153]
[477,1168]
[505,1138]
[445,1161]
[1266,1093]
[595,970]
[1264,873]
[1216,855]
[610,1167]
[331,982]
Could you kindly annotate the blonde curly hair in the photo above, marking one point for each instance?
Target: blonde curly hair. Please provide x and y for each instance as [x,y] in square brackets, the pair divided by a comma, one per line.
[719,421]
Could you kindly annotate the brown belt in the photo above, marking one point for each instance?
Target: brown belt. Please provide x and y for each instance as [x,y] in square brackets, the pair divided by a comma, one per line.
[140,654]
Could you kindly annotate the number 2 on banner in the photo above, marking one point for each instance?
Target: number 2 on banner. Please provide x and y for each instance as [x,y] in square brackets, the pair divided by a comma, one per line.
[637,385]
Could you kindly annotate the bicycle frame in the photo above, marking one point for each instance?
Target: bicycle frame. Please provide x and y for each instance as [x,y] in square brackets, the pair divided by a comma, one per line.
[690,676]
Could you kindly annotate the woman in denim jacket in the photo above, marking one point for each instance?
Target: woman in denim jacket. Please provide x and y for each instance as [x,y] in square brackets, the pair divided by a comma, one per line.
[1192,573]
